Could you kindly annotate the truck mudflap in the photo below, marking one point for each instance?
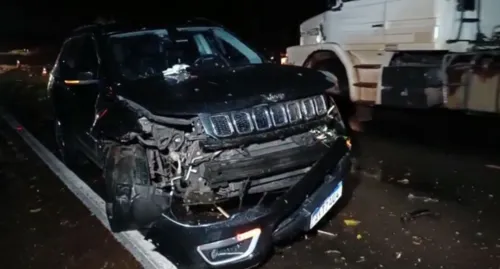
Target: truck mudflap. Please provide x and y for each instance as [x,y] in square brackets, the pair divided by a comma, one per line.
[462,81]
[246,238]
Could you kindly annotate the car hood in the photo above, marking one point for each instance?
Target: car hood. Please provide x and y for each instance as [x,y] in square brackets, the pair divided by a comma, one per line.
[224,89]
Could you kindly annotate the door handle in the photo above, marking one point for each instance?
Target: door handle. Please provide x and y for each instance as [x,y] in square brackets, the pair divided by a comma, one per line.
[377,25]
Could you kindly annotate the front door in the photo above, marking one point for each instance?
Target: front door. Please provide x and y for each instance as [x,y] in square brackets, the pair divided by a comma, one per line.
[81,80]
[411,24]
[356,24]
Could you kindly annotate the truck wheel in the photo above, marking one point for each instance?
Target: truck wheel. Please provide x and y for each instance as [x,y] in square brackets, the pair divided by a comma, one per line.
[131,199]
[65,146]
[344,103]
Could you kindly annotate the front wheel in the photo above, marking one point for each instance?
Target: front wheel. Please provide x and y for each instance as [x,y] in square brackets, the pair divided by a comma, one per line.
[132,202]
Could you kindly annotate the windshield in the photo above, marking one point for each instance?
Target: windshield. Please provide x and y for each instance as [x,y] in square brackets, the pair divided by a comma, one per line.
[147,53]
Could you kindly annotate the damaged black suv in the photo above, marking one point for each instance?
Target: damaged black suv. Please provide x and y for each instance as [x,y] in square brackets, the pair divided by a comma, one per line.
[203,143]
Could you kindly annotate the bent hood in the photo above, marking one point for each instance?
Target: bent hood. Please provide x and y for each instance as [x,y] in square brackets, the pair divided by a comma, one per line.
[225,89]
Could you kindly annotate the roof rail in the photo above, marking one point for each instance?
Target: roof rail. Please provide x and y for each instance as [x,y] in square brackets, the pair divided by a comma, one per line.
[205,20]
[98,23]
[105,24]
[85,27]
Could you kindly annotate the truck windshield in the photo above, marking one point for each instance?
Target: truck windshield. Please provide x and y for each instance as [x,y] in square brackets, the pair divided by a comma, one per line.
[147,53]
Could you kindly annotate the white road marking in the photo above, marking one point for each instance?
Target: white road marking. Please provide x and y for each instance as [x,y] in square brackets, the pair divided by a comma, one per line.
[133,241]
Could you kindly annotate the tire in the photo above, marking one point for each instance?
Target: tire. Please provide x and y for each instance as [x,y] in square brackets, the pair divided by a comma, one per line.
[65,146]
[345,106]
[130,197]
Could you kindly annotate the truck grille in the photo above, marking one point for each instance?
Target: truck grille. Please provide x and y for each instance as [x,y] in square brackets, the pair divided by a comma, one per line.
[266,117]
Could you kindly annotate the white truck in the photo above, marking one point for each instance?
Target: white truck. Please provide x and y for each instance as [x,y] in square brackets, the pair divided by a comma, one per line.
[407,53]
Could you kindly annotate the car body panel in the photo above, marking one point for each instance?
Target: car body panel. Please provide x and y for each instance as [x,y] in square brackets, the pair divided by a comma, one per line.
[225,89]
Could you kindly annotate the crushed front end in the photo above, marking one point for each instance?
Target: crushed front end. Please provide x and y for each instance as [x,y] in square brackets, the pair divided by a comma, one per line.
[294,151]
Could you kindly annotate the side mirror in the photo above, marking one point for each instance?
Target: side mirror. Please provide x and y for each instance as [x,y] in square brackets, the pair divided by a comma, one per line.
[334,4]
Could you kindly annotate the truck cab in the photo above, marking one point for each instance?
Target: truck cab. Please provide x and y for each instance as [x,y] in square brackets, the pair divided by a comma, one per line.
[407,53]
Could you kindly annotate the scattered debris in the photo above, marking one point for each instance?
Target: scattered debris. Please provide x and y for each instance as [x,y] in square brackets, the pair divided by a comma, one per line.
[361,259]
[222,211]
[333,251]
[327,233]
[351,222]
[398,255]
[410,216]
[424,199]
[340,260]
[105,265]
[404,181]
[177,73]
[416,240]
[493,166]
[35,210]
[369,173]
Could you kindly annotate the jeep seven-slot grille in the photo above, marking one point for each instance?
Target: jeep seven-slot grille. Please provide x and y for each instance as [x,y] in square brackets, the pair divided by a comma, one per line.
[266,117]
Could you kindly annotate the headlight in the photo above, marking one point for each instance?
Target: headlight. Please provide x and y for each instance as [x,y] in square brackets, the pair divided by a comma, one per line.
[284,60]
[231,249]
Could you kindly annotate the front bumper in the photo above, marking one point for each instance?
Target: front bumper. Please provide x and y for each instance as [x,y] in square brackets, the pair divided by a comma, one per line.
[257,228]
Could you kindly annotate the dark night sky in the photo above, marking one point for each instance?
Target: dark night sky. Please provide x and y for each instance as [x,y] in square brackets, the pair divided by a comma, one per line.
[271,23]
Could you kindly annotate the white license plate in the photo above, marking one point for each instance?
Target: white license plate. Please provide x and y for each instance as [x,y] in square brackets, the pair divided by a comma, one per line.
[329,202]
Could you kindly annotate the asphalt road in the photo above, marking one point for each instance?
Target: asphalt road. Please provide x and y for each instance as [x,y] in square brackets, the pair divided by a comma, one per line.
[43,224]
[445,167]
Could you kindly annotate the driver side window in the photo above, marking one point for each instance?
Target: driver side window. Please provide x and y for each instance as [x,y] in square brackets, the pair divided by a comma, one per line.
[79,56]
[236,50]
[232,53]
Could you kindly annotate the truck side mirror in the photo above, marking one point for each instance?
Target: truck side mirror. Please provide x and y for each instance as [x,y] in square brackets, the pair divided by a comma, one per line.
[334,4]
[466,5]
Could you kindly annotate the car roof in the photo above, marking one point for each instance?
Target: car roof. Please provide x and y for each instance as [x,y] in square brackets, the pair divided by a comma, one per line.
[114,27]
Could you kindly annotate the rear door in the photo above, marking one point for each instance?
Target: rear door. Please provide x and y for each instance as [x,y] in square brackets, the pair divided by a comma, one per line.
[356,24]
